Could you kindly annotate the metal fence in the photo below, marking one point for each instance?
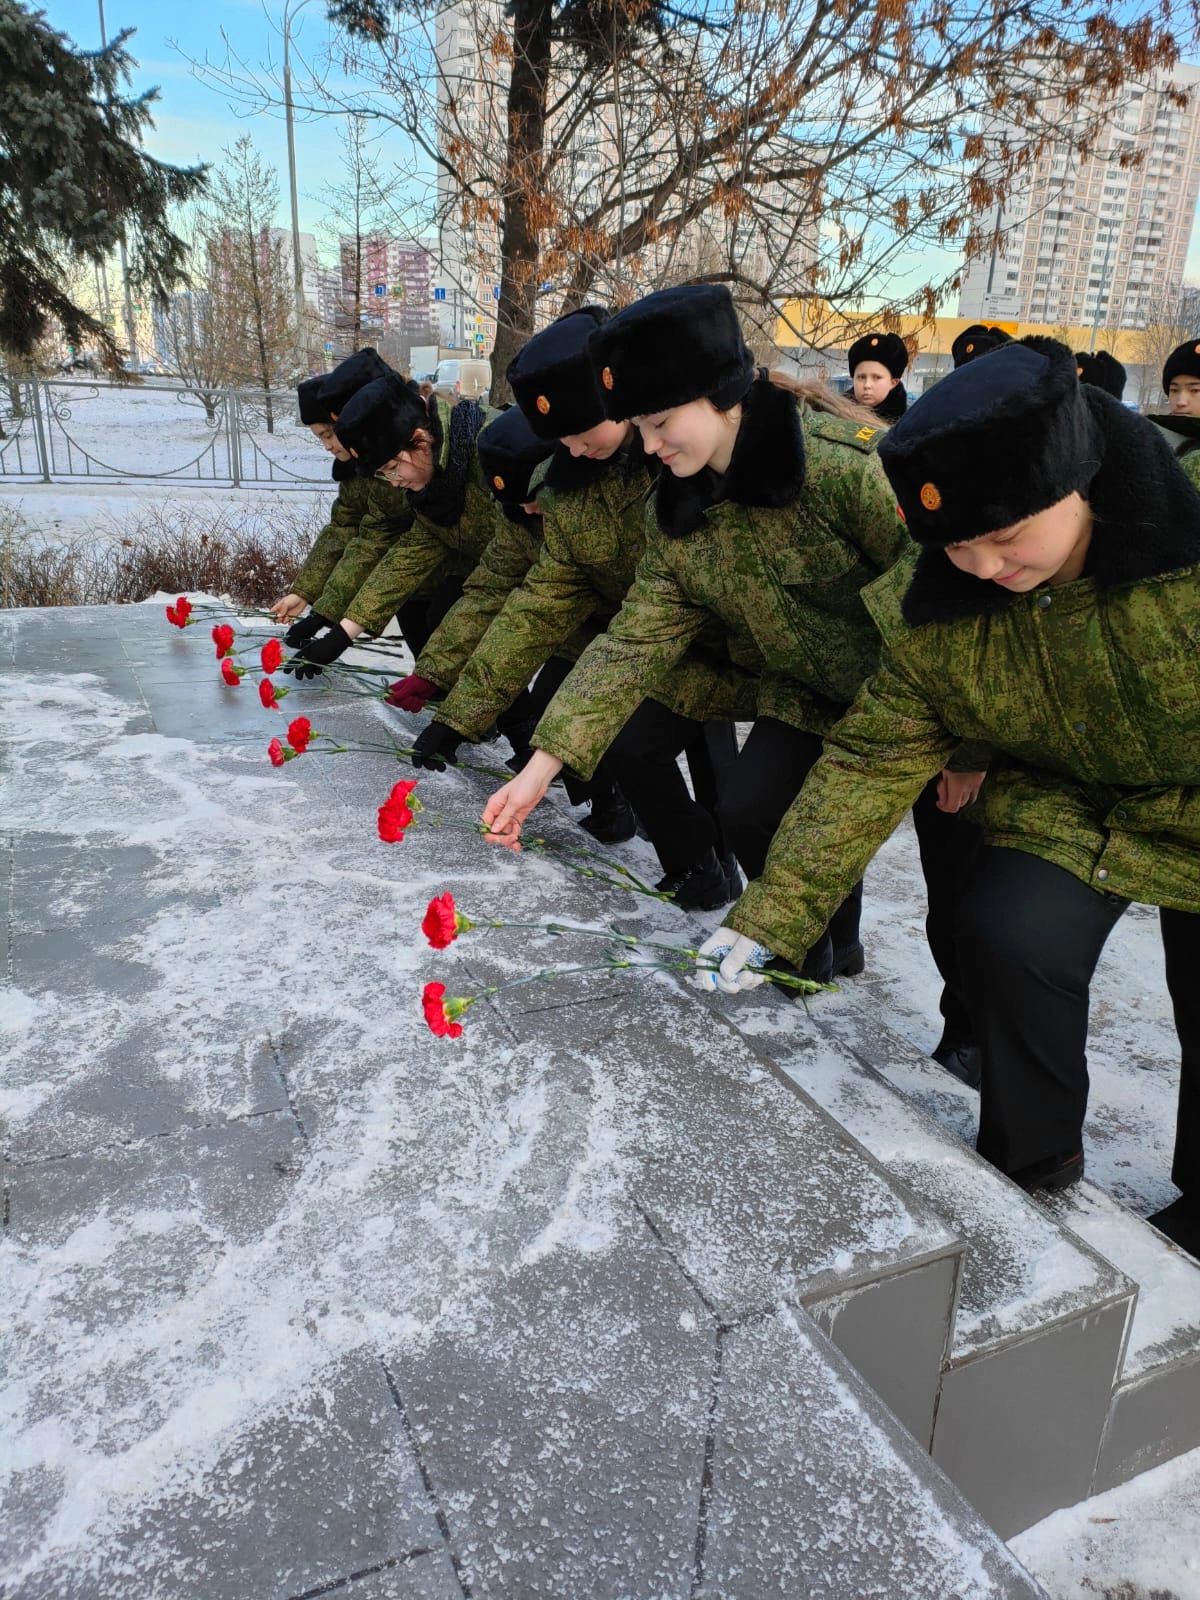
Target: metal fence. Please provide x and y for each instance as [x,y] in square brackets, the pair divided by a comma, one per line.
[62,430]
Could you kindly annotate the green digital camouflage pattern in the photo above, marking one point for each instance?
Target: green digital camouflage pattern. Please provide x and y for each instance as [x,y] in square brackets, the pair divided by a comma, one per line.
[508,557]
[349,508]
[388,516]
[427,553]
[1091,702]
[781,585]
[592,538]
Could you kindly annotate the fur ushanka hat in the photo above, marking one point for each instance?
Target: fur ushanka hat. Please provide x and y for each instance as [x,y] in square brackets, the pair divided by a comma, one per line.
[1101,370]
[674,346]
[322,398]
[889,349]
[993,442]
[552,378]
[380,420]
[975,341]
[509,450]
[1183,362]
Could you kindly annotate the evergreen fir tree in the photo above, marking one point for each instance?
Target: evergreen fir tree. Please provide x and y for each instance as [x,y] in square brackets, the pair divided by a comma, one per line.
[74,182]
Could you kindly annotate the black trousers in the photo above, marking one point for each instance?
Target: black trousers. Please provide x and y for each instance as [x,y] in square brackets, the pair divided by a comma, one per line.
[418,618]
[774,763]
[644,760]
[1029,937]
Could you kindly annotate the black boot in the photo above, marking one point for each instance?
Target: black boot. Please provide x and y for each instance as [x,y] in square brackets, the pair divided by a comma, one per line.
[703,887]
[734,882]
[849,961]
[963,1061]
[611,819]
[1180,1221]
[1056,1172]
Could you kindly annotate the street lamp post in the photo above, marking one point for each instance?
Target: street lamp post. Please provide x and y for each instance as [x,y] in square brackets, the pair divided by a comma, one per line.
[130,325]
[290,12]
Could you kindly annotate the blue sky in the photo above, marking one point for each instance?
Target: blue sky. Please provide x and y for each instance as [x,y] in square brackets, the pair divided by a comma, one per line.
[194,121]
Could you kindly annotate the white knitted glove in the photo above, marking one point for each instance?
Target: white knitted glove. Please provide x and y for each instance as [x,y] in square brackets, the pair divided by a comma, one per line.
[737,954]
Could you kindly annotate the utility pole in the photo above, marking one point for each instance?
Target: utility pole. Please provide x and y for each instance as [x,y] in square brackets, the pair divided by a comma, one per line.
[130,325]
[289,117]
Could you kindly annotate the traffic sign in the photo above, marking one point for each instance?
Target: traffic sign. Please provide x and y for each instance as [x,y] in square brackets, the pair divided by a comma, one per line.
[329,347]
[439,294]
[495,291]
[478,338]
[380,290]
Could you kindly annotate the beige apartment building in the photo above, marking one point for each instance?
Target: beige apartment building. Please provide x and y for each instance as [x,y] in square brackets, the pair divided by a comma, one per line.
[1093,243]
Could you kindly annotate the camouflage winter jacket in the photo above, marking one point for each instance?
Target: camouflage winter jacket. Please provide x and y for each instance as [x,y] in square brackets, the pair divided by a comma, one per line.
[807,519]
[349,508]
[429,551]
[386,518]
[1089,693]
[1183,436]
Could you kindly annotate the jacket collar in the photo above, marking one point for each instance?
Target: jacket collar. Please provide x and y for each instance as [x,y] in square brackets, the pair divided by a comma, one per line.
[766,469]
[1147,522]
[567,472]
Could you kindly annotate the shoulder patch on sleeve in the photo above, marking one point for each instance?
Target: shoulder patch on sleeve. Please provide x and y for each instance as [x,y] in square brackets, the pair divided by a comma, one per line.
[839,430]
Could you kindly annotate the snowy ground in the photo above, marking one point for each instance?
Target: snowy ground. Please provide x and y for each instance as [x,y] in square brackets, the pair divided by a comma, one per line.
[245,963]
[57,513]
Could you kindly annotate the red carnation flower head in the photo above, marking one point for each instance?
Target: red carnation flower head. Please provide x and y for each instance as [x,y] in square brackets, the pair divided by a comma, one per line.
[299,734]
[178,613]
[231,674]
[441,1015]
[444,922]
[272,656]
[222,636]
[277,753]
[268,694]
[183,607]
[398,812]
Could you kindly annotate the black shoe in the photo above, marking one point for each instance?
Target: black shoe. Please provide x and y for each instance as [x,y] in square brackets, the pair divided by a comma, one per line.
[611,819]
[1180,1221]
[703,887]
[962,1061]
[1056,1172]
[849,962]
[818,963]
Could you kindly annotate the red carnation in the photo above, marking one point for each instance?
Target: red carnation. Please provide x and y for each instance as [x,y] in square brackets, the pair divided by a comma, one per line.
[272,656]
[443,922]
[177,615]
[299,733]
[231,674]
[222,636]
[440,1013]
[277,753]
[266,693]
[395,814]
[183,607]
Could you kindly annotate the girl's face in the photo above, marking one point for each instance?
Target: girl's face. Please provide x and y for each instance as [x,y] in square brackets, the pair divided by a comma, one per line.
[1049,547]
[872,383]
[323,433]
[600,442]
[411,468]
[688,438]
[1184,397]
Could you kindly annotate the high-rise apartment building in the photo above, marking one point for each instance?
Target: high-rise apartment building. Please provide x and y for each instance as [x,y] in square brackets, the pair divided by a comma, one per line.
[1093,242]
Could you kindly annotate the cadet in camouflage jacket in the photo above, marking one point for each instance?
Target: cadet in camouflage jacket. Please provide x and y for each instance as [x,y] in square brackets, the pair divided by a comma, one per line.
[385,518]
[430,550]
[349,508]
[782,581]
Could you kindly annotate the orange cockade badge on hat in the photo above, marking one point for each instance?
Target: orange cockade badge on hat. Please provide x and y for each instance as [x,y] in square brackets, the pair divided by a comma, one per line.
[543,405]
[874,342]
[1196,349]
[931,497]
[606,378]
[970,347]
[497,482]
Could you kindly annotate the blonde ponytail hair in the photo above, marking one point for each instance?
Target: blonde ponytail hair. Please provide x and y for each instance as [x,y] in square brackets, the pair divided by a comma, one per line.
[817,396]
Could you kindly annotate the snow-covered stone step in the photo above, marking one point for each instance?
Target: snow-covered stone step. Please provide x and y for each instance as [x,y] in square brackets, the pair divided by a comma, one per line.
[1155,1412]
[1042,1318]
[756,1192]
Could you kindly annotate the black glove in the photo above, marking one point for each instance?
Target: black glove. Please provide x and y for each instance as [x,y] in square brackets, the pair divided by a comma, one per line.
[318,653]
[302,630]
[436,744]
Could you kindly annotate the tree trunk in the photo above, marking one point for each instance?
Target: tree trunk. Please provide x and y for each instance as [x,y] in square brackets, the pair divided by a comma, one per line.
[260,335]
[520,250]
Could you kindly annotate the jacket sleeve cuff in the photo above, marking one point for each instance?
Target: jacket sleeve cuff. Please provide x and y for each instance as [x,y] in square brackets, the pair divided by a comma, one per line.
[579,769]
[753,916]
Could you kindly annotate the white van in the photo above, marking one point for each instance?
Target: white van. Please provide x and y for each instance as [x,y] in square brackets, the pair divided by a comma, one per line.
[465,380]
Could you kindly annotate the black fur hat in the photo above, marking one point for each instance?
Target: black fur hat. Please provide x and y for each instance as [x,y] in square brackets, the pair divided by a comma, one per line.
[552,379]
[889,349]
[1101,370]
[380,419]
[509,450]
[1183,362]
[977,340]
[347,378]
[993,442]
[311,409]
[674,346]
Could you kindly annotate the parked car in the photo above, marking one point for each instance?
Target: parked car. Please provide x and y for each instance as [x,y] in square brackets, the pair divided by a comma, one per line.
[465,380]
